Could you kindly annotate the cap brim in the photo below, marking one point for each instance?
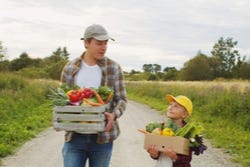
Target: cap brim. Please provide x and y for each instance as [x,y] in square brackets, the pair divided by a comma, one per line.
[170,98]
[103,38]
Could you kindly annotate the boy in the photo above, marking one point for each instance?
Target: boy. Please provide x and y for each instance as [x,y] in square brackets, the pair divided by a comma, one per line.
[179,109]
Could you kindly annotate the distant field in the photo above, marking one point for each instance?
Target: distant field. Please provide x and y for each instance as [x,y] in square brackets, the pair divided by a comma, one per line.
[236,85]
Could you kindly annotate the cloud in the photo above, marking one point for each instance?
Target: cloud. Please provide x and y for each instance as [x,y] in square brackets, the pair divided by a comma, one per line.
[164,32]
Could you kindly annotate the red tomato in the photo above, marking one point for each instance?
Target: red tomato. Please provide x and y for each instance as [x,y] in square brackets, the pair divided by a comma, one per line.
[88,93]
[75,96]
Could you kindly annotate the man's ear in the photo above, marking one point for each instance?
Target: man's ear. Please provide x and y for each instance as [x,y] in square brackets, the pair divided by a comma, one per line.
[86,43]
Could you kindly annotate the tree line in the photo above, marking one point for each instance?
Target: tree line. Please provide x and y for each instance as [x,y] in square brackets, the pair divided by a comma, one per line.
[224,62]
[48,68]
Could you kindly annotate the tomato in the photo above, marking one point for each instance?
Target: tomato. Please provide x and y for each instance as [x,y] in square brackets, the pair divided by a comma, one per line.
[88,93]
[75,96]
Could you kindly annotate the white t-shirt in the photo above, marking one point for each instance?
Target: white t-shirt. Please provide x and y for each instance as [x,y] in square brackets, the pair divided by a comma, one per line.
[88,76]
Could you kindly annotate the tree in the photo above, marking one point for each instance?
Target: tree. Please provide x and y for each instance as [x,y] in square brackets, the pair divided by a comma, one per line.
[156,68]
[153,77]
[151,68]
[170,73]
[147,68]
[2,52]
[169,69]
[4,65]
[56,62]
[132,72]
[197,68]
[23,61]
[225,57]
[61,54]
[215,67]
[65,54]
[242,70]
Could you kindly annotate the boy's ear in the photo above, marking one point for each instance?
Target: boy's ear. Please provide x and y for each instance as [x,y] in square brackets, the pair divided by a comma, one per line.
[185,114]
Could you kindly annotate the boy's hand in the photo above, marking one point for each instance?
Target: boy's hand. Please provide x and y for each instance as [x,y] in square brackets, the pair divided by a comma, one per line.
[169,152]
[154,153]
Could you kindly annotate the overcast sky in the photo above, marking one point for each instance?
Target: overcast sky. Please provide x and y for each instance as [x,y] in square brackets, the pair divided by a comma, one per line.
[164,32]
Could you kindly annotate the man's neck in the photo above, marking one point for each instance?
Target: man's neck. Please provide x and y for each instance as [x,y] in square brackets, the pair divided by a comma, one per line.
[88,59]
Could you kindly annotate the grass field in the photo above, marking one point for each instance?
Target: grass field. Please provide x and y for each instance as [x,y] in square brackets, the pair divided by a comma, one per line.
[223,108]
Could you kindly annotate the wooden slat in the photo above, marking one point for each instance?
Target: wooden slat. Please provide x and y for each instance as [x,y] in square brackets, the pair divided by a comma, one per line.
[84,127]
[79,117]
[81,109]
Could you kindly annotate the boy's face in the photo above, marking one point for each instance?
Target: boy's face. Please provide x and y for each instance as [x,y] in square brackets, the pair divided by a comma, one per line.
[176,111]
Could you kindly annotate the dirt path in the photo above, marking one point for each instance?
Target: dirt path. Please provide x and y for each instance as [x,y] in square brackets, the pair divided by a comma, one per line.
[45,150]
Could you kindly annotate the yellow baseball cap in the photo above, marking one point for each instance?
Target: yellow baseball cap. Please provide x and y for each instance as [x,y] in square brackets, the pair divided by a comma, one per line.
[183,101]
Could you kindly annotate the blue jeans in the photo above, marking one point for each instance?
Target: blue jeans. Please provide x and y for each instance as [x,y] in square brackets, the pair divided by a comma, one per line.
[83,147]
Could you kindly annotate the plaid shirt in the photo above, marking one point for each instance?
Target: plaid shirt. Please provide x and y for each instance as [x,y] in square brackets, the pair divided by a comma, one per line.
[112,77]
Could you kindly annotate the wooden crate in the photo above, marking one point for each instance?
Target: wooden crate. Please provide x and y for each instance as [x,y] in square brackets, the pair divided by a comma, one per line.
[84,119]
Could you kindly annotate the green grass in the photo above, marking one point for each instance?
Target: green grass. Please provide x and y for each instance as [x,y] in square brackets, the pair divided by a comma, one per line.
[24,110]
[223,110]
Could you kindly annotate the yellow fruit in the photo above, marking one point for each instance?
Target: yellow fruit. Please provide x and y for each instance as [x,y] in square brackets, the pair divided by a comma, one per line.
[167,132]
[157,131]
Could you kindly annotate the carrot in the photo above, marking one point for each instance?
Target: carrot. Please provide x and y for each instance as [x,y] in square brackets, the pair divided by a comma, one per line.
[98,97]
[89,102]
[143,131]
[109,97]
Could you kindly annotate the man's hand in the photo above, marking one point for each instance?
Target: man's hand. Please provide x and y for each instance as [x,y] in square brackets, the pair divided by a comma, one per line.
[110,117]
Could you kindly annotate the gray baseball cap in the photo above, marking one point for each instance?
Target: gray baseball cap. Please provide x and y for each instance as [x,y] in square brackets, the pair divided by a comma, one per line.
[96,31]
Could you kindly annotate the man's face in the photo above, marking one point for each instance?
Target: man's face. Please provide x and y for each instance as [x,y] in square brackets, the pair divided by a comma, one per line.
[96,49]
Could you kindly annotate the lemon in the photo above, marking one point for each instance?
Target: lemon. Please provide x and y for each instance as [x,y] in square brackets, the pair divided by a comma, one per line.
[167,132]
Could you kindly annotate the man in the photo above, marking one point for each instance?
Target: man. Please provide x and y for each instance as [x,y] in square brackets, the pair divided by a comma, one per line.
[94,69]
